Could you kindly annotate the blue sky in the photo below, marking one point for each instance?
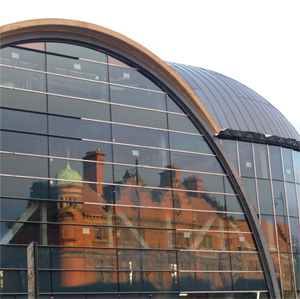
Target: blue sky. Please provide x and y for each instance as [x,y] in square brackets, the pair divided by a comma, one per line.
[254,42]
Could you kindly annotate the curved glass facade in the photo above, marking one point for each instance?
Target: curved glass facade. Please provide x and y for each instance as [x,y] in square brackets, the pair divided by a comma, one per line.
[121,190]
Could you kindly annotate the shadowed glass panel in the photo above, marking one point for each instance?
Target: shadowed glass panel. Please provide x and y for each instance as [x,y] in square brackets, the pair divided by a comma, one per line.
[249,281]
[15,257]
[23,121]
[23,143]
[78,108]
[11,98]
[14,282]
[276,163]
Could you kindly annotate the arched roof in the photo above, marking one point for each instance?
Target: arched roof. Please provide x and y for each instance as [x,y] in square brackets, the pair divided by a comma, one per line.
[233,105]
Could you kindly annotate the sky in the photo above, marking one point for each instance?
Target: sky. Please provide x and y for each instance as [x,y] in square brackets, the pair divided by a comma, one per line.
[256,42]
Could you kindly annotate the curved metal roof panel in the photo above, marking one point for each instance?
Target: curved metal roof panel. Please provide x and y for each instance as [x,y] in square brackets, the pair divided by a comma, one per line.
[234,105]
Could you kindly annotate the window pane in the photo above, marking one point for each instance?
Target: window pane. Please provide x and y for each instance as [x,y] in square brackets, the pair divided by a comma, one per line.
[265,197]
[74,127]
[191,143]
[246,159]
[288,165]
[295,234]
[296,156]
[268,226]
[138,98]
[283,234]
[231,150]
[23,121]
[251,190]
[292,199]
[261,161]
[78,108]
[76,51]
[276,163]
[23,143]
[139,136]
[279,198]
[139,117]
[182,123]
[12,98]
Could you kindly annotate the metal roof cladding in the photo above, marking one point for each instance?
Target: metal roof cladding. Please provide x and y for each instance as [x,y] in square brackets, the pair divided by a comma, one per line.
[234,105]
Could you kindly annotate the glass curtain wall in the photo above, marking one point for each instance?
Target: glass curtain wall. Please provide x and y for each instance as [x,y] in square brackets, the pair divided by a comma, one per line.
[271,175]
[119,189]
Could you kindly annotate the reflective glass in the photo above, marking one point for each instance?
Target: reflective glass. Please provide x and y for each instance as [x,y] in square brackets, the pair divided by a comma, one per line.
[23,121]
[24,165]
[249,281]
[279,198]
[275,162]
[269,229]
[297,269]
[251,190]
[138,117]
[139,98]
[79,128]
[296,158]
[23,143]
[206,240]
[14,282]
[237,223]
[15,257]
[17,57]
[140,156]
[283,232]
[18,78]
[76,51]
[246,159]
[231,150]
[140,136]
[78,108]
[130,77]
[172,106]
[265,196]
[11,98]
[77,88]
[287,280]
[241,242]
[242,261]
[261,161]
[233,204]
[288,164]
[196,162]
[191,143]
[76,68]
[181,123]
[292,199]
[295,234]
[79,149]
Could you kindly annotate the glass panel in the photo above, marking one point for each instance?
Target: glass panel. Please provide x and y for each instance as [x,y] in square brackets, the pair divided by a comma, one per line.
[144,197]
[130,77]
[12,98]
[78,108]
[140,136]
[84,281]
[233,204]
[182,124]
[295,234]
[146,281]
[145,238]
[23,143]
[251,190]
[297,269]
[142,176]
[279,198]
[288,165]
[76,51]
[296,156]
[196,162]
[249,281]
[172,106]
[28,188]
[246,159]
[18,78]
[14,282]
[17,57]
[23,121]
[139,217]
[88,171]
[276,163]
[74,127]
[283,234]
[268,227]
[24,165]
[77,88]
[292,199]
[140,156]
[261,161]
[13,257]
[238,223]
[265,196]
[146,260]
[79,149]
[245,262]
[76,68]
[191,143]
[286,272]
[138,98]
[231,150]
[241,242]
[206,240]
[139,117]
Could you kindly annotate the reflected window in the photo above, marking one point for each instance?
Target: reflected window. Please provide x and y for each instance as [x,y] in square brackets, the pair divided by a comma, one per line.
[288,164]
[246,159]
